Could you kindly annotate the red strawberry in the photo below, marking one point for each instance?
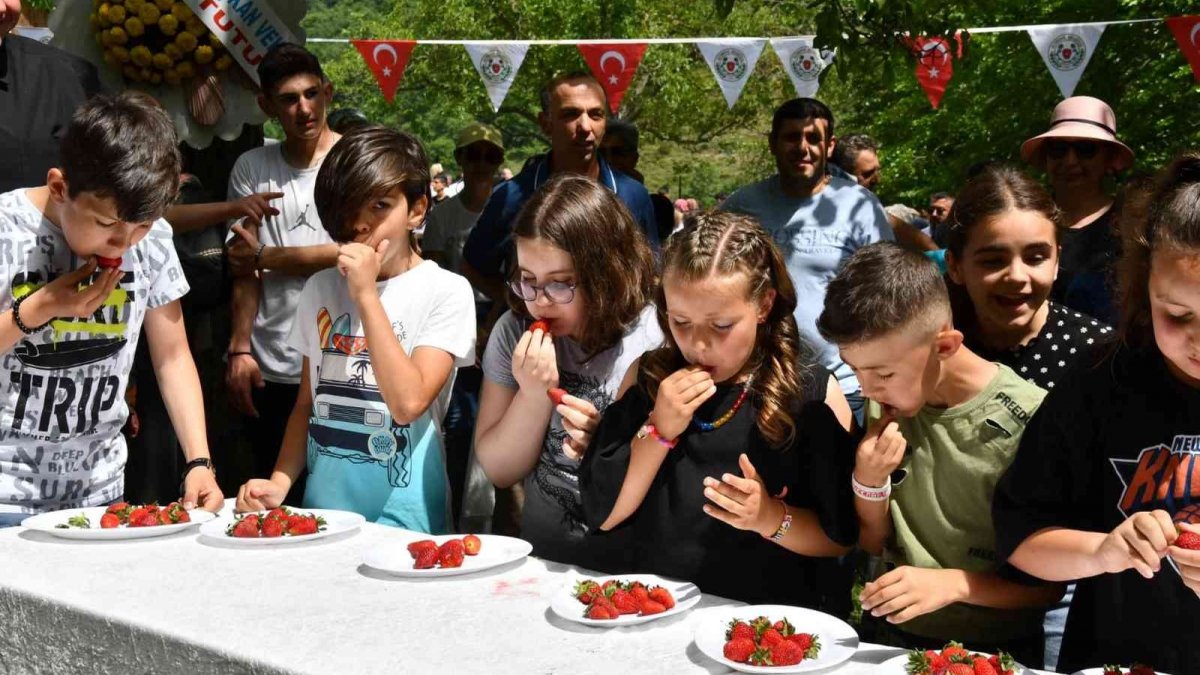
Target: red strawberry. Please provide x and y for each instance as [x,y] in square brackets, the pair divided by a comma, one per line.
[450,554]
[108,262]
[1189,540]
[118,508]
[1113,670]
[272,527]
[761,656]
[624,602]
[641,595]
[109,521]
[587,590]
[164,516]
[983,667]
[806,642]
[149,517]
[663,597]
[739,649]
[246,527]
[740,629]
[415,548]
[299,525]
[556,395]
[136,515]
[786,653]
[770,637]
[954,650]
[921,663]
[1140,669]
[425,558]
[471,544]
[651,607]
[959,668]
[540,325]
[600,611]
[609,586]
[177,513]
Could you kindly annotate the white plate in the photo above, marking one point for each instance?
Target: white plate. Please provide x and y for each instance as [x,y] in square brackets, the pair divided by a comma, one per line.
[565,604]
[46,522]
[393,556]
[336,522]
[838,639]
[1100,671]
[896,666]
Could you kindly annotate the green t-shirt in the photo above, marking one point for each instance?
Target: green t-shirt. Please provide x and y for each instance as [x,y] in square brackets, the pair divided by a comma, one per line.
[942,507]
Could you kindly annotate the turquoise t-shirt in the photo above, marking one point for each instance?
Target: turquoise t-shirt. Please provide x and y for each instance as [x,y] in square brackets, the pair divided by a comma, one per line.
[359,458]
[816,235]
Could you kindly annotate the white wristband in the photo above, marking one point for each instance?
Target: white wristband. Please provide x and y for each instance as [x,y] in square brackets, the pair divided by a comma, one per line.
[872,494]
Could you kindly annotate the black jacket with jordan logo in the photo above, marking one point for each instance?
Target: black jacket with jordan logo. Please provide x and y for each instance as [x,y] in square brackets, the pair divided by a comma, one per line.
[1116,439]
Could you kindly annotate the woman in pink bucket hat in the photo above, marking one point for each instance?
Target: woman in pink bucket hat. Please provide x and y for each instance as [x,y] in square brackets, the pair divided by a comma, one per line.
[1078,152]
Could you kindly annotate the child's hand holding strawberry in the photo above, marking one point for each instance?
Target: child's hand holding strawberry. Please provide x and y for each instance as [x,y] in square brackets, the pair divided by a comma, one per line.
[360,264]
[66,298]
[1139,543]
[534,363]
[579,419]
[908,592]
[679,394]
[743,502]
[880,452]
[1186,555]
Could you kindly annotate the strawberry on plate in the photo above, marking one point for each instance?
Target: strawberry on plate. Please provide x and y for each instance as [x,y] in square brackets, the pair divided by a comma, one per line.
[471,544]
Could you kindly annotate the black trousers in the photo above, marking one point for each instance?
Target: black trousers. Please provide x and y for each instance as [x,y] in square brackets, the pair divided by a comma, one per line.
[274,403]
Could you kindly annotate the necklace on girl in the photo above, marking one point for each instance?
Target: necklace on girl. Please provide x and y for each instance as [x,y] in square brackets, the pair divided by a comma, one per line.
[720,421]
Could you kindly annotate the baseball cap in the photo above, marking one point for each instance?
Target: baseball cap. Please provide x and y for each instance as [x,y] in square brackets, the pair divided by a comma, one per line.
[477,131]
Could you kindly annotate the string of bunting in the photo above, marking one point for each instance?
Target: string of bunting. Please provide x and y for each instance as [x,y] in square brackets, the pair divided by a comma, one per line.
[1066,50]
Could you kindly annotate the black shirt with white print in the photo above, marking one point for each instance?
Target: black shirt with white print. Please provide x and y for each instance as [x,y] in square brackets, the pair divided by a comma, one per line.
[1068,340]
[1109,442]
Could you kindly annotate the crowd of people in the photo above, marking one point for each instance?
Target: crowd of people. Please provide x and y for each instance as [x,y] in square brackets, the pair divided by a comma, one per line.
[975,421]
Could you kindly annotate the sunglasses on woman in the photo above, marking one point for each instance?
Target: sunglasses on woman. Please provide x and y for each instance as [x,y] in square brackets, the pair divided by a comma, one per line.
[1083,149]
[558,292]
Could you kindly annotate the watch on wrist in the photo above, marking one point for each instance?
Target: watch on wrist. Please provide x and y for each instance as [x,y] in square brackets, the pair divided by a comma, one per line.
[205,462]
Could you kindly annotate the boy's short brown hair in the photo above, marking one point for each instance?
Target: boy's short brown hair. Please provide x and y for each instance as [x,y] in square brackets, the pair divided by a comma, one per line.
[882,289]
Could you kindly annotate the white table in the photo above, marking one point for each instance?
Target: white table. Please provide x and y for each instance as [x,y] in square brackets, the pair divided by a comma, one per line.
[178,604]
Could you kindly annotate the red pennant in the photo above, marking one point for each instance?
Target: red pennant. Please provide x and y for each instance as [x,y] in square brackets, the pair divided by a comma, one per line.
[614,65]
[935,66]
[386,59]
[1187,33]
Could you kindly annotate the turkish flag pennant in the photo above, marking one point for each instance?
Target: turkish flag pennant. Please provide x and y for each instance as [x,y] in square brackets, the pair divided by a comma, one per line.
[614,65]
[386,59]
[1186,30]
[935,65]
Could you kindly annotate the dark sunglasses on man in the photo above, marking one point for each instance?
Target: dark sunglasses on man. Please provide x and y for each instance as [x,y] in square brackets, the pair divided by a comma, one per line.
[487,156]
[1057,149]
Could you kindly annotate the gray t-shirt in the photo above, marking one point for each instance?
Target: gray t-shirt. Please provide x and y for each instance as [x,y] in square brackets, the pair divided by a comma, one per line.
[265,170]
[553,518]
[63,404]
[447,228]
[816,235]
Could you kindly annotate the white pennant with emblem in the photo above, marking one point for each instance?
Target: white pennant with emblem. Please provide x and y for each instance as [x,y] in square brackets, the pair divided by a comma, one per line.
[1066,50]
[731,62]
[803,62]
[497,64]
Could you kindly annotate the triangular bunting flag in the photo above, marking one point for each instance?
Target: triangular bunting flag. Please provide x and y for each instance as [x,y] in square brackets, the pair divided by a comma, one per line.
[387,60]
[935,66]
[614,65]
[1066,49]
[1186,30]
[802,62]
[497,64]
[731,62]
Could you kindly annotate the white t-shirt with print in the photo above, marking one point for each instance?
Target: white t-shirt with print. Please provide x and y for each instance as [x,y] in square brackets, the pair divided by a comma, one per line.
[265,170]
[63,405]
[359,459]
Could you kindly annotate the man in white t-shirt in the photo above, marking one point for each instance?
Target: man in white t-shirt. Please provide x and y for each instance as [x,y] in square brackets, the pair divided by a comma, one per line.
[274,259]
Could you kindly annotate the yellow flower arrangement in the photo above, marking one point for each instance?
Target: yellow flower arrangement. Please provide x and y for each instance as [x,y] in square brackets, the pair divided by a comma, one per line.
[156,41]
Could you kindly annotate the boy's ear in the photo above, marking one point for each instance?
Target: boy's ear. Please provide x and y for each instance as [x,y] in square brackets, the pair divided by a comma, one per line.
[264,104]
[416,212]
[56,180]
[948,341]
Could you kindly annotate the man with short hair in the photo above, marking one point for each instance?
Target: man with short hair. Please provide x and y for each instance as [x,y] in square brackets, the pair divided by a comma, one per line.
[620,148]
[574,118]
[275,258]
[858,155]
[817,219]
[940,204]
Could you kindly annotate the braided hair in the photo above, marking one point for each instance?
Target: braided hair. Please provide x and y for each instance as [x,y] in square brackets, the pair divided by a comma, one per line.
[720,243]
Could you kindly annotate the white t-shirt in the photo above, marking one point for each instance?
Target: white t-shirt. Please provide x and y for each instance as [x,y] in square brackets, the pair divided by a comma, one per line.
[359,459]
[447,228]
[265,170]
[63,404]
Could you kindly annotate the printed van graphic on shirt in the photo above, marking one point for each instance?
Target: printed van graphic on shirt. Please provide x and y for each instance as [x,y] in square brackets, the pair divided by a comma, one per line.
[1163,477]
[68,402]
[350,420]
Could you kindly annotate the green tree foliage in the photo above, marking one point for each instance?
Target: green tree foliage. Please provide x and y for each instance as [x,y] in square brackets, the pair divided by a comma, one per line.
[1001,92]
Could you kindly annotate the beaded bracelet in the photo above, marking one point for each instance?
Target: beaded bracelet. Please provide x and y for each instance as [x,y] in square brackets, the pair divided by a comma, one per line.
[16,315]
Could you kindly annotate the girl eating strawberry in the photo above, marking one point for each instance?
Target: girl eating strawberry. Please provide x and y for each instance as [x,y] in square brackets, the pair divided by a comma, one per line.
[724,457]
